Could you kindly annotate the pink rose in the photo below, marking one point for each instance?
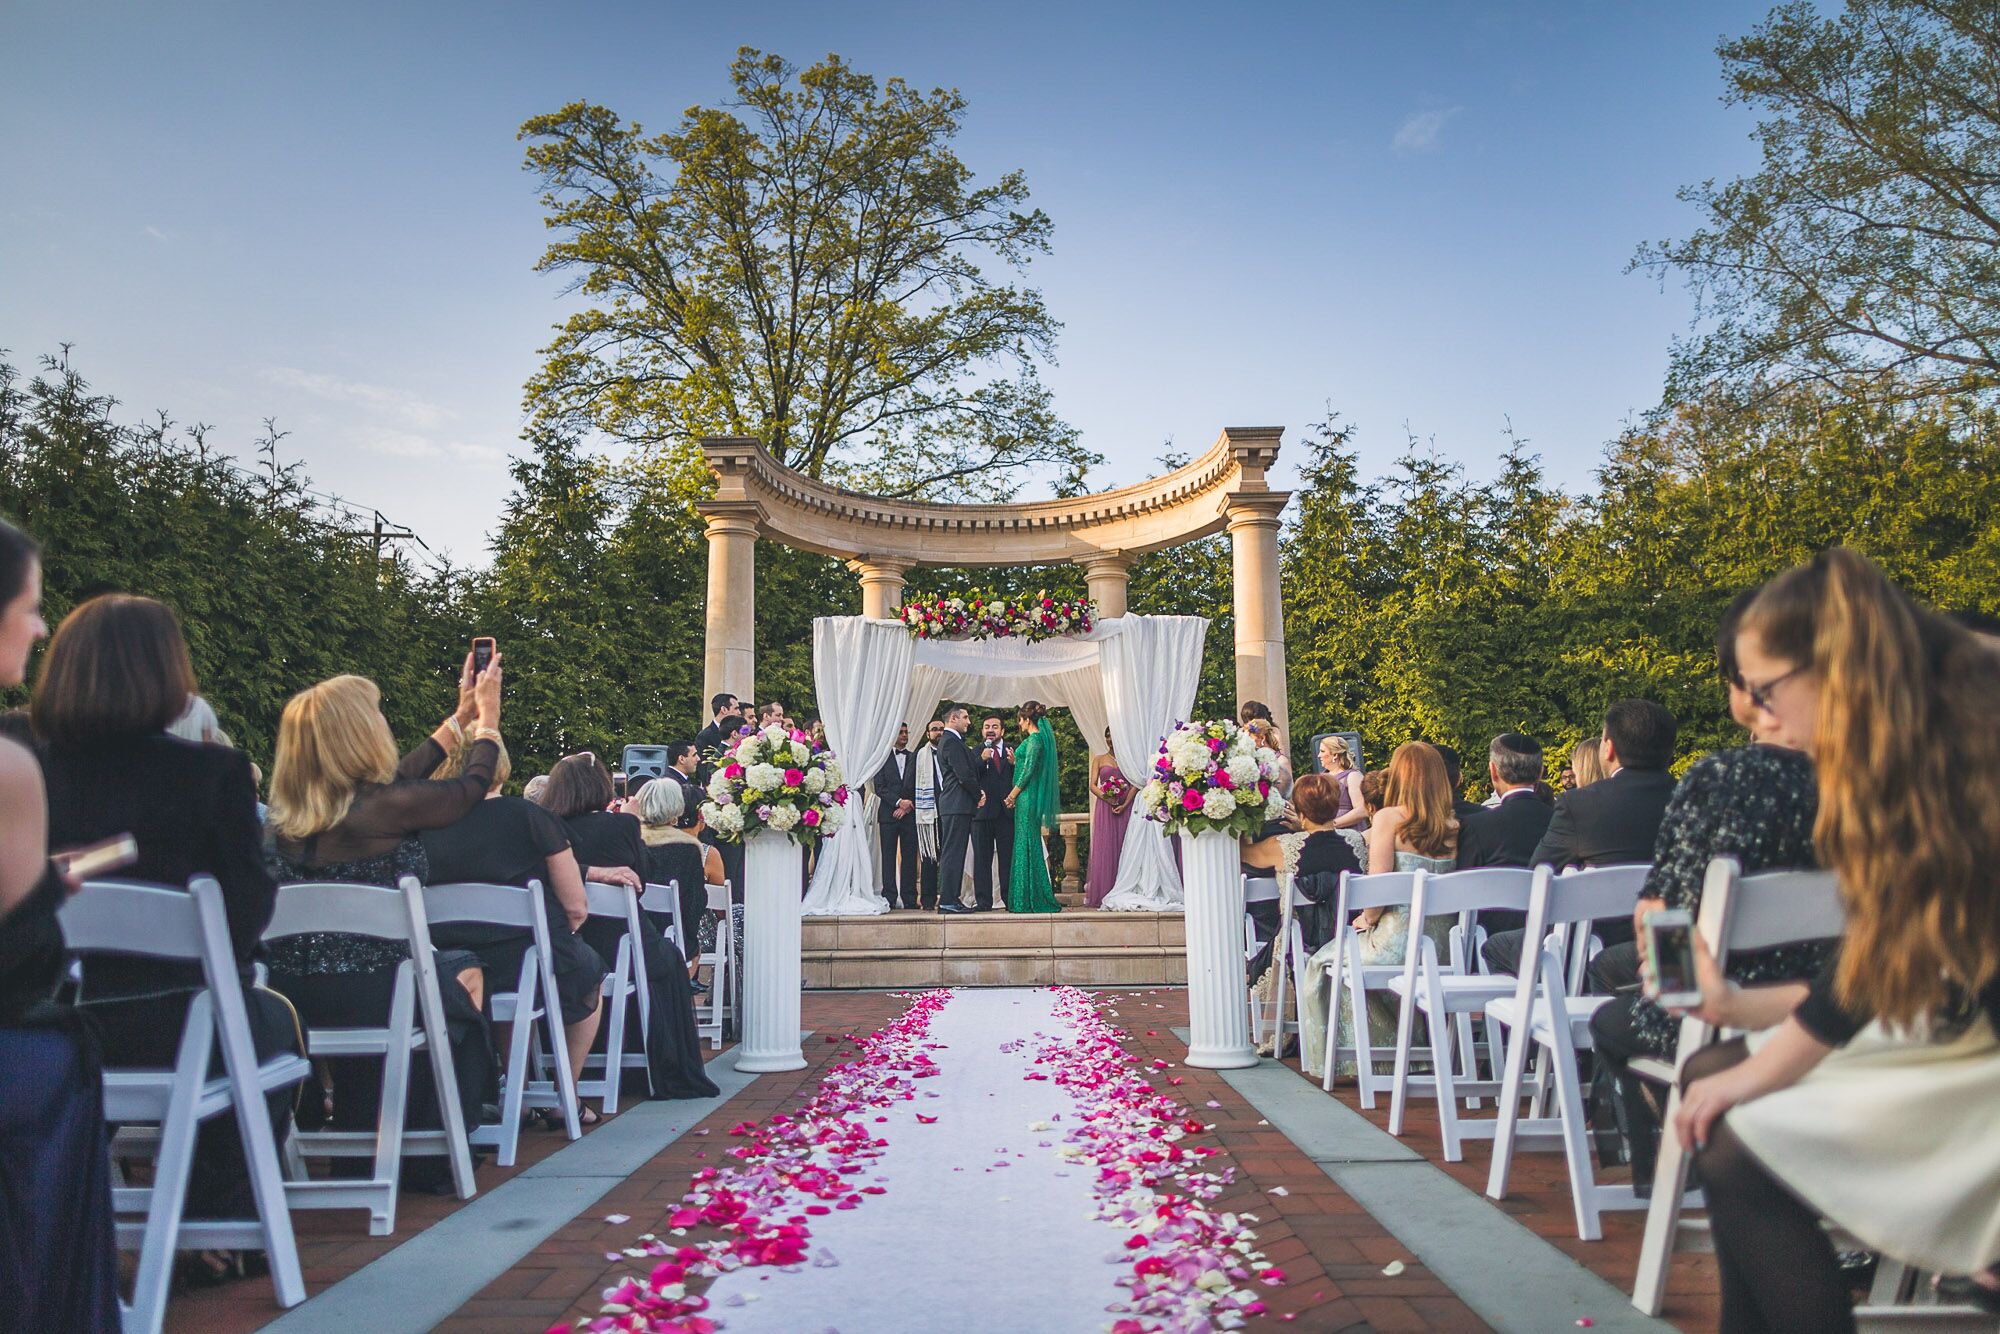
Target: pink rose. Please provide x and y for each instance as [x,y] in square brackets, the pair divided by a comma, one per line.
[810,818]
[1191,800]
[840,794]
[732,770]
[793,777]
[1222,779]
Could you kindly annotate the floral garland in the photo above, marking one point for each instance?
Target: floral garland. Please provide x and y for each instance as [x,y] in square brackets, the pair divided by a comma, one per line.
[980,614]
[772,779]
[814,1155]
[1184,1259]
[1212,776]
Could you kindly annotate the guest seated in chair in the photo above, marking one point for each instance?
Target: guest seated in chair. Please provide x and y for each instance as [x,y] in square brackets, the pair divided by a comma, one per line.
[613,851]
[675,855]
[1865,1099]
[115,675]
[510,841]
[1611,823]
[343,808]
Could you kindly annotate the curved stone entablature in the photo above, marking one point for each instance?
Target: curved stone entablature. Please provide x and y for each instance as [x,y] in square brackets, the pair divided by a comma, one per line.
[1193,501]
[882,540]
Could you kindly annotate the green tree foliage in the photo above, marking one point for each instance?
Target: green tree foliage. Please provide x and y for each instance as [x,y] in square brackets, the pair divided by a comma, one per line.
[1865,251]
[275,591]
[807,265]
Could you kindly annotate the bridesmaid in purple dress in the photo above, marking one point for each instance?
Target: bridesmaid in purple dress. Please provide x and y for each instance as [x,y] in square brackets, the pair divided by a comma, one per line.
[1108,816]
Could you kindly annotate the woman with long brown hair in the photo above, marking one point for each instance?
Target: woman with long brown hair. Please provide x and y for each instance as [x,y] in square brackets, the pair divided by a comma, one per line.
[1413,830]
[1867,1097]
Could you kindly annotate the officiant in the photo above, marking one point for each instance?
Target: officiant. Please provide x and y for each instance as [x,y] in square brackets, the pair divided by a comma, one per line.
[993,822]
[896,818]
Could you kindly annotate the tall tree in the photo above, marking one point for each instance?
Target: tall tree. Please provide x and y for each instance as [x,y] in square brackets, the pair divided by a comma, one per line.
[807,265]
[1866,250]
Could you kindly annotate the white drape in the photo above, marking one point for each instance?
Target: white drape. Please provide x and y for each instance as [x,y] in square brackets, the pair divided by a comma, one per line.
[1149,677]
[1001,673]
[861,671]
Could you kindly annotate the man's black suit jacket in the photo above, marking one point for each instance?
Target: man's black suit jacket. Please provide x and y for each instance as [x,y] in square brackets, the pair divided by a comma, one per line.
[996,780]
[707,739]
[1614,822]
[958,794]
[1504,835]
[892,787]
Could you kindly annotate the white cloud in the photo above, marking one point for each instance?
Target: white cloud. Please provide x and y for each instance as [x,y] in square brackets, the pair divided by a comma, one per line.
[407,410]
[150,230]
[474,453]
[397,444]
[1419,132]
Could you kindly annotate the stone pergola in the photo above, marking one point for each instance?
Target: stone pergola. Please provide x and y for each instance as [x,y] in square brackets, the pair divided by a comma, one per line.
[882,540]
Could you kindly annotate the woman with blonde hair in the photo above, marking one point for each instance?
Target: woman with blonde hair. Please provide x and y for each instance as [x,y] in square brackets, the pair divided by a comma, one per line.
[344,808]
[1865,1098]
[1586,763]
[1413,830]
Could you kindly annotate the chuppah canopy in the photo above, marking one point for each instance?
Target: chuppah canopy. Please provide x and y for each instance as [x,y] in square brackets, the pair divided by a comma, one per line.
[1135,675]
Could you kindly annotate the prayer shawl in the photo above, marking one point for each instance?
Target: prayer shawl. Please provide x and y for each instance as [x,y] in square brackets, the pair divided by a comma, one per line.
[927,815]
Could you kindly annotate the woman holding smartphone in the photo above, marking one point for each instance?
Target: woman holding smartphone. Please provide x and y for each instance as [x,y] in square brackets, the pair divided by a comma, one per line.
[1867,1097]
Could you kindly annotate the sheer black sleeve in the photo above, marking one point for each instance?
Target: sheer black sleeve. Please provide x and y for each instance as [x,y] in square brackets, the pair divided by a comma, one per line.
[421,762]
[410,806]
[1687,838]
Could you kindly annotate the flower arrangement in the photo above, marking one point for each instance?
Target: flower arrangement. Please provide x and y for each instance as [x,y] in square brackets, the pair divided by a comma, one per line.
[984,615]
[1115,786]
[772,779]
[1212,776]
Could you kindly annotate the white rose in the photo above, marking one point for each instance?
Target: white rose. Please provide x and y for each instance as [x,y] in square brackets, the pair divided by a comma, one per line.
[783,816]
[1217,804]
[764,777]
[815,782]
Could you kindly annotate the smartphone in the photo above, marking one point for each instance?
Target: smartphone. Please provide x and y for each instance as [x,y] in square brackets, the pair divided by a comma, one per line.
[482,654]
[619,783]
[1668,973]
[98,859]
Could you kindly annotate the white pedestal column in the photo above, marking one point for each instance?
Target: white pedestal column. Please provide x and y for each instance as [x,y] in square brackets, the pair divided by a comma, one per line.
[1218,992]
[771,973]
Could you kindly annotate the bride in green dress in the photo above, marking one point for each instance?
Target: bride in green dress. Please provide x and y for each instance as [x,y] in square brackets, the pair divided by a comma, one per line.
[1033,801]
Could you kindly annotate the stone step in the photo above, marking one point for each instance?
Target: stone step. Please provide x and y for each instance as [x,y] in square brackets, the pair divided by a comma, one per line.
[916,949]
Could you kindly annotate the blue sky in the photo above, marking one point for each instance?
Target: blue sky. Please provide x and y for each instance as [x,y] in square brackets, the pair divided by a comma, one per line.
[1418,213]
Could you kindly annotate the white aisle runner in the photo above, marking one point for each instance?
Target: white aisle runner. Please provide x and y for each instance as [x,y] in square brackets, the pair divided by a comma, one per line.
[956,1243]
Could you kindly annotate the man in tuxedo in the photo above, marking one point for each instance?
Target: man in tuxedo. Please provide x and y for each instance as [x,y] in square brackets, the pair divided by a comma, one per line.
[1506,834]
[1454,773]
[1610,823]
[993,822]
[709,737]
[957,801]
[896,820]
[682,761]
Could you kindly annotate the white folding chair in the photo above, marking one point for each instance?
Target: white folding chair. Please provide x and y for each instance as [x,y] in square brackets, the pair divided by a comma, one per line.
[162,922]
[1448,997]
[626,980]
[1549,1012]
[712,1018]
[416,1023]
[1739,913]
[1288,960]
[525,1081]
[1389,889]
[667,899]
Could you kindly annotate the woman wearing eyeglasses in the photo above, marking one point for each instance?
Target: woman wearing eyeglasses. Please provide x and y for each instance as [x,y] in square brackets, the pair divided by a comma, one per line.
[1868,1097]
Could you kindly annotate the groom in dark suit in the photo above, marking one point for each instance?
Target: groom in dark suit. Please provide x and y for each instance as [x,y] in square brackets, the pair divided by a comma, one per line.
[957,800]
[993,823]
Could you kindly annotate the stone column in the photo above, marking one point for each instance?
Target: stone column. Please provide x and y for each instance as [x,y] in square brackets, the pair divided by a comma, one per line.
[1260,613]
[729,662]
[881,585]
[1218,992]
[1105,572]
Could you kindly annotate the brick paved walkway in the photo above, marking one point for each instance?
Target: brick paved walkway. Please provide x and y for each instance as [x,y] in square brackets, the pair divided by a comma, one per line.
[1333,1251]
